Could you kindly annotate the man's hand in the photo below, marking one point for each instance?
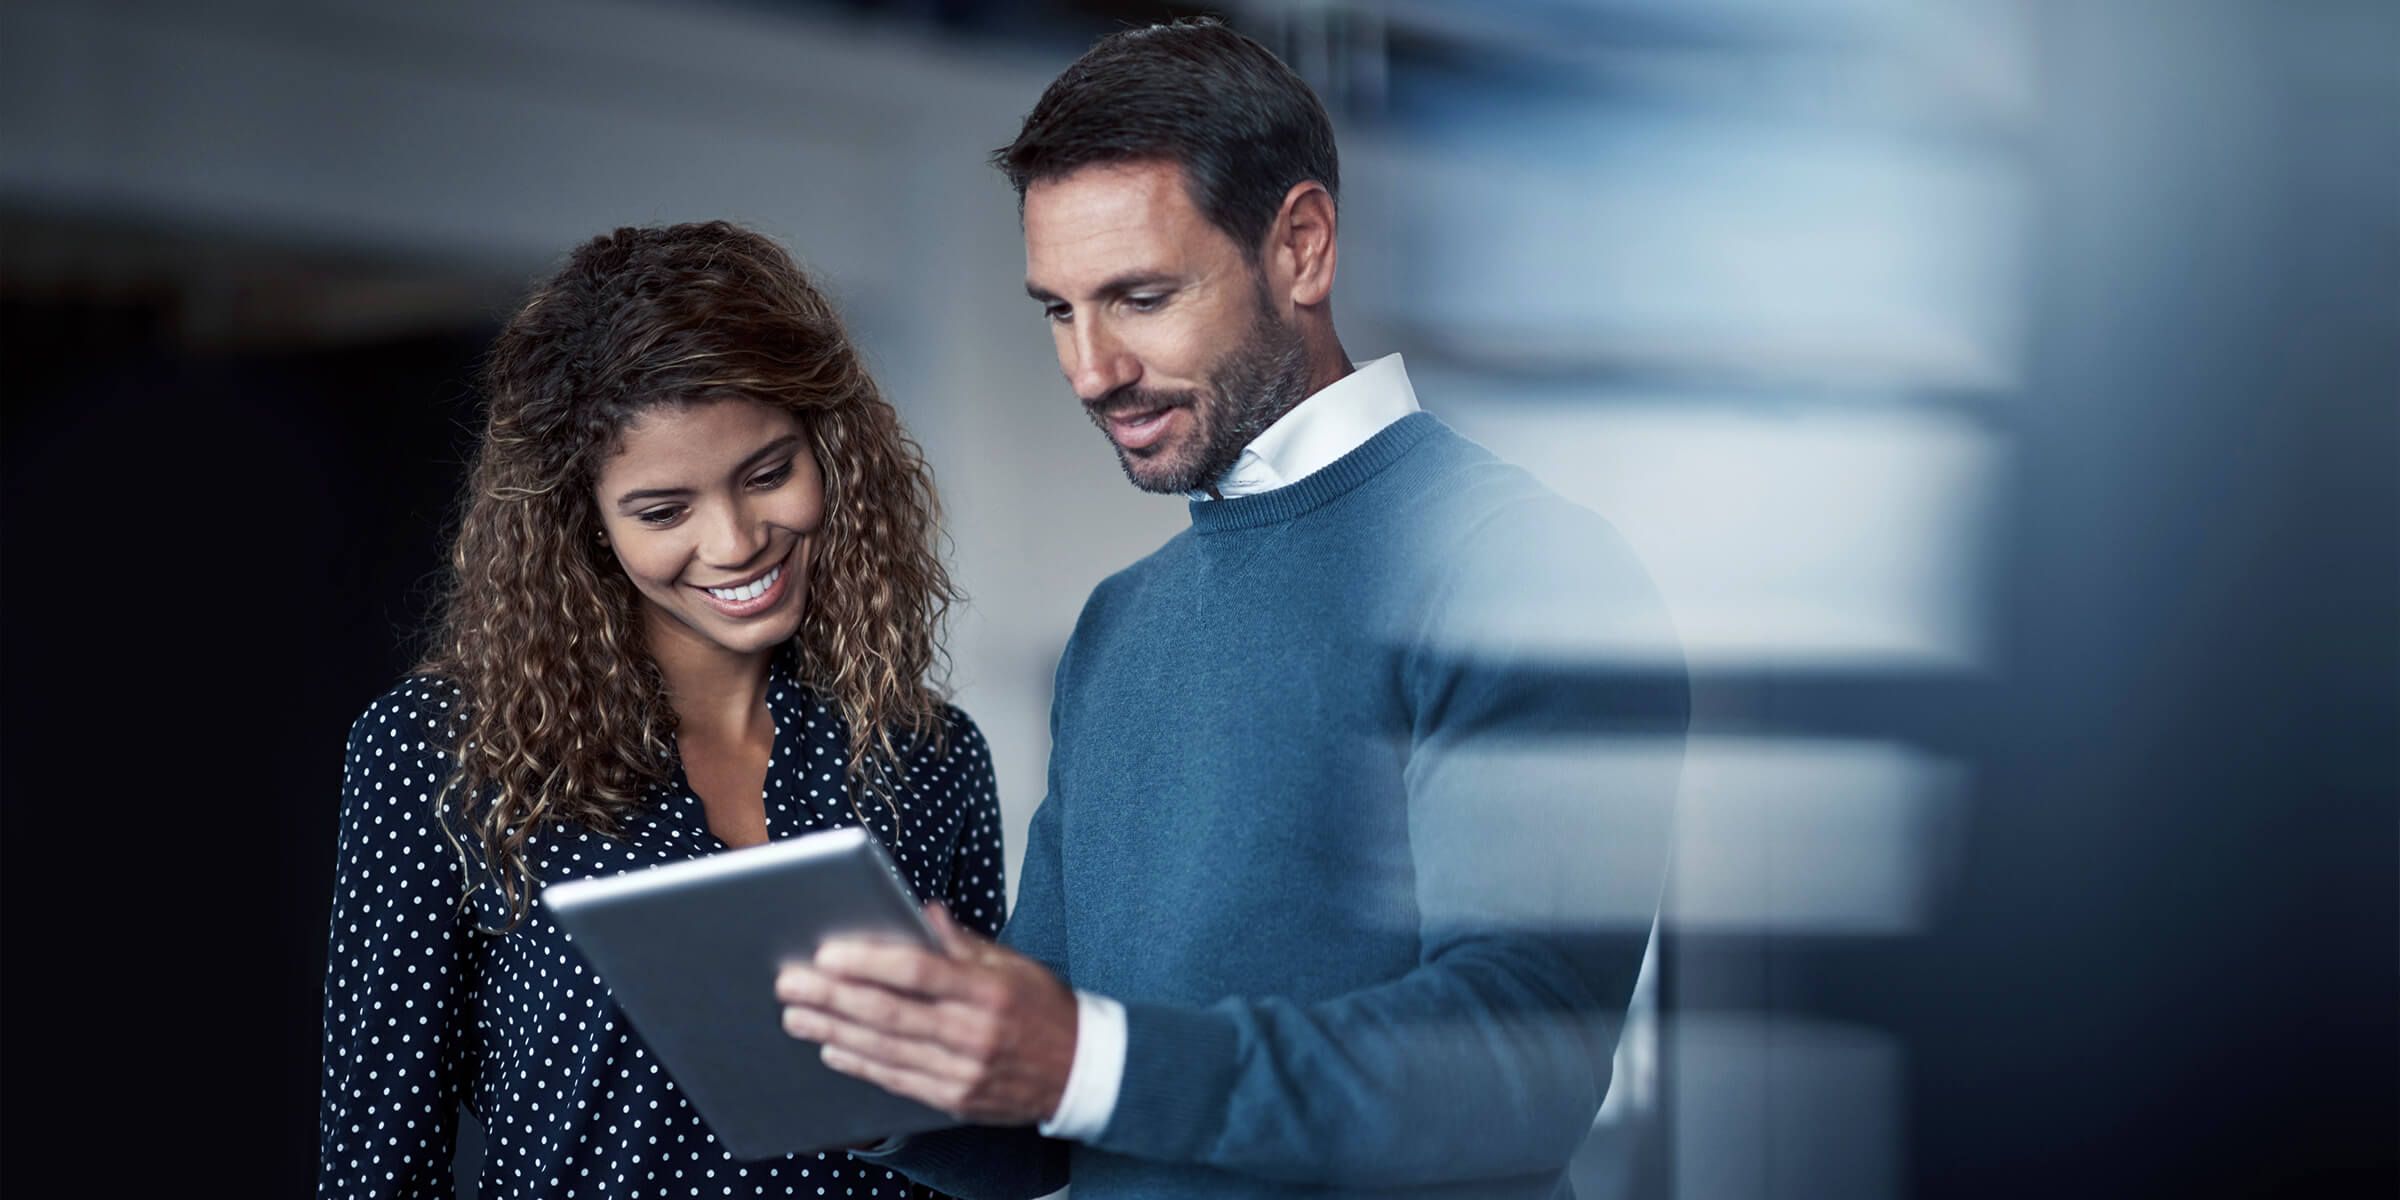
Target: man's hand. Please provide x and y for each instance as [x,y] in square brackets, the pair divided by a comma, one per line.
[985,1034]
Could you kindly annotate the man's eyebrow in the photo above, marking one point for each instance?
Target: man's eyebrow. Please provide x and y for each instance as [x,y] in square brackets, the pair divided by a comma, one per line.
[770,450]
[1132,281]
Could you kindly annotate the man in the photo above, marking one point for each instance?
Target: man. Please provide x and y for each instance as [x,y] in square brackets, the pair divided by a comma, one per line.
[1331,891]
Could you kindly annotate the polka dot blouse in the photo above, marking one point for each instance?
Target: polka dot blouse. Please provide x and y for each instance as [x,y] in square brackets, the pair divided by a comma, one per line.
[424,1010]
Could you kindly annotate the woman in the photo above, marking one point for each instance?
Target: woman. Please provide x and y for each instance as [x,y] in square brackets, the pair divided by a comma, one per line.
[692,606]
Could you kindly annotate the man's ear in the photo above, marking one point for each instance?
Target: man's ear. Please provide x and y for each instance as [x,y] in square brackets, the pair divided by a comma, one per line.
[1301,244]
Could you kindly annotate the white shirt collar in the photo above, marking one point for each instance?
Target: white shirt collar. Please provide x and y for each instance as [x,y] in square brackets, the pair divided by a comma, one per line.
[1337,419]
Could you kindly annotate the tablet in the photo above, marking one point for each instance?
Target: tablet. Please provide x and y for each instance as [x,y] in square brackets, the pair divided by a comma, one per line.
[691,950]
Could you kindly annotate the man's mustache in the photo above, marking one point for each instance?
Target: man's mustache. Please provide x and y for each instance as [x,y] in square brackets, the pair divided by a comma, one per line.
[1137,400]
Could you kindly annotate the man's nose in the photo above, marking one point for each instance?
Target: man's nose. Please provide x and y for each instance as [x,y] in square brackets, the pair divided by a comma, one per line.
[1097,363]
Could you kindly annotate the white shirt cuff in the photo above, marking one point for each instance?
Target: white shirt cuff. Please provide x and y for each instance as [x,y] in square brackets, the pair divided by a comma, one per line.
[1099,1070]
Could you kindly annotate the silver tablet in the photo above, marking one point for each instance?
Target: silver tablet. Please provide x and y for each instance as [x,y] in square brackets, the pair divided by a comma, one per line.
[691,950]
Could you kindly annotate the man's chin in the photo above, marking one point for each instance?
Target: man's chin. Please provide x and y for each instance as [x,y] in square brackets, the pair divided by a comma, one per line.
[1164,474]
[1150,479]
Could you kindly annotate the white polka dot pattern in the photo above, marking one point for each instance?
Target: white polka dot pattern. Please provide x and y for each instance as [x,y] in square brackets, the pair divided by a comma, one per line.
[423,1009]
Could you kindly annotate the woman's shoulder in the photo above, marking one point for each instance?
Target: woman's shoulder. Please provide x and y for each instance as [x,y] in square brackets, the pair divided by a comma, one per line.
[421,710]
[940,757]
[961,741]
[399,758]
[958,756]
[958,726]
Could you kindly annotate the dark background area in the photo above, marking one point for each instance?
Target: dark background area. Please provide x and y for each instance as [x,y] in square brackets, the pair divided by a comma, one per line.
[239,550]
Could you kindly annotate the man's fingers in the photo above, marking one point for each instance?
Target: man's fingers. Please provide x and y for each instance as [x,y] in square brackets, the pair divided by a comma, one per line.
[986,1035]
[931,1059]
[880,1008]
[916,1085]
[894,966]
[816,1002]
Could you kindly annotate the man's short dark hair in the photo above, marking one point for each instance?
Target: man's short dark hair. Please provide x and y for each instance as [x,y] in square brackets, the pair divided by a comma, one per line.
[1242,126]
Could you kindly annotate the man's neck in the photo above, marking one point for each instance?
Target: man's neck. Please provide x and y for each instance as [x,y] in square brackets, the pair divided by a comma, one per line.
[1328,363]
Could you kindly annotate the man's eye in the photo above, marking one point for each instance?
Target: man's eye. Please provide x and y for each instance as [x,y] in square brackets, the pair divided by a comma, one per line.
[1144,303]
[1058,314]
[770,480]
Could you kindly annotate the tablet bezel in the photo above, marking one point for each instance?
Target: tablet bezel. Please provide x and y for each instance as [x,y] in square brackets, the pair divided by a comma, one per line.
[690,950]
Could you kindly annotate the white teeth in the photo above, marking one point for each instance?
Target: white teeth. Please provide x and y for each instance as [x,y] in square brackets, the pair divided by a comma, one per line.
[749,591]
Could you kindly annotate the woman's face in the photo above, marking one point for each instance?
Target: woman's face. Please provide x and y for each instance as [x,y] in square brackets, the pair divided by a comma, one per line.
[713,510]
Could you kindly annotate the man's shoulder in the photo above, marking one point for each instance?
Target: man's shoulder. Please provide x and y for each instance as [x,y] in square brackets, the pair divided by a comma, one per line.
[1513,562]
[1479,500]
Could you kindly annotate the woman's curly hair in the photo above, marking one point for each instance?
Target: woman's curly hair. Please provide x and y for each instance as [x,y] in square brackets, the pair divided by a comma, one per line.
[564,716]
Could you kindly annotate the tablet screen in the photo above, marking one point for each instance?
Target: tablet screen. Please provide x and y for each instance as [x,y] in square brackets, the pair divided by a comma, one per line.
[690,951]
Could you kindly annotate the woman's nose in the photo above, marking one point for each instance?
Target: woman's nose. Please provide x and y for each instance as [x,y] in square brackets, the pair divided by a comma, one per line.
[733,538]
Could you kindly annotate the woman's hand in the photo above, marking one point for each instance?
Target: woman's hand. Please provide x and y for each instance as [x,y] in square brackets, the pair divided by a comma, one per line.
[985,1034]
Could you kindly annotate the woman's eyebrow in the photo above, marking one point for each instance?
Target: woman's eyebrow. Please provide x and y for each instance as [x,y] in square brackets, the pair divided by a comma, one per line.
[770,450]
[652,494]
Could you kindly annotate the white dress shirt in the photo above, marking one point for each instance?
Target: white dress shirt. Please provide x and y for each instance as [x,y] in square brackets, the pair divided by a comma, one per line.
[1334,421]
[1329,424]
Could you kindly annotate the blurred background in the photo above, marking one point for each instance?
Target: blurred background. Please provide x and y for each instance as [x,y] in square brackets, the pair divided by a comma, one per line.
[2005,394]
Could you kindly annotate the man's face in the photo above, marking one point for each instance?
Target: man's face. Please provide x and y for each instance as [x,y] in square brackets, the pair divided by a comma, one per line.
[1163,327]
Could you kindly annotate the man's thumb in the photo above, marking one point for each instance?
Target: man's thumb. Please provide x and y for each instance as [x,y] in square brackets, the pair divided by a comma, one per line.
[958,942]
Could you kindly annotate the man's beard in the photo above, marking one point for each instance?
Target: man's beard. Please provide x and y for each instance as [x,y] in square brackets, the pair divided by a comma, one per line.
[1263,378]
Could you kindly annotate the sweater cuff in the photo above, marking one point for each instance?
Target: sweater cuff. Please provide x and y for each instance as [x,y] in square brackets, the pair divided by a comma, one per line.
[1179,1072]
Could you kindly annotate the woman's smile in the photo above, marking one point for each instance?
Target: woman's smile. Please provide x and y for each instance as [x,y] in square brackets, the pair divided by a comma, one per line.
[756,596]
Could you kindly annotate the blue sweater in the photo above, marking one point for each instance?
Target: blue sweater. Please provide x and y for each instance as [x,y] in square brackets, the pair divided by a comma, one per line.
[1336,811]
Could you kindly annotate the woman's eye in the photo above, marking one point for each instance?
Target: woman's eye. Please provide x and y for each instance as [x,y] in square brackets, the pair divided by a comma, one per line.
[769,480]
[658,516]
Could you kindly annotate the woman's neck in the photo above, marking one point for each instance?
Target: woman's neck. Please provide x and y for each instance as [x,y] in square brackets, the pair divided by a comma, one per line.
[718,695]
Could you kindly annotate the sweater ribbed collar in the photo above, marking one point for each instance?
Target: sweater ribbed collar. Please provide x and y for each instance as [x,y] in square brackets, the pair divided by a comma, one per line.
[1319,488]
